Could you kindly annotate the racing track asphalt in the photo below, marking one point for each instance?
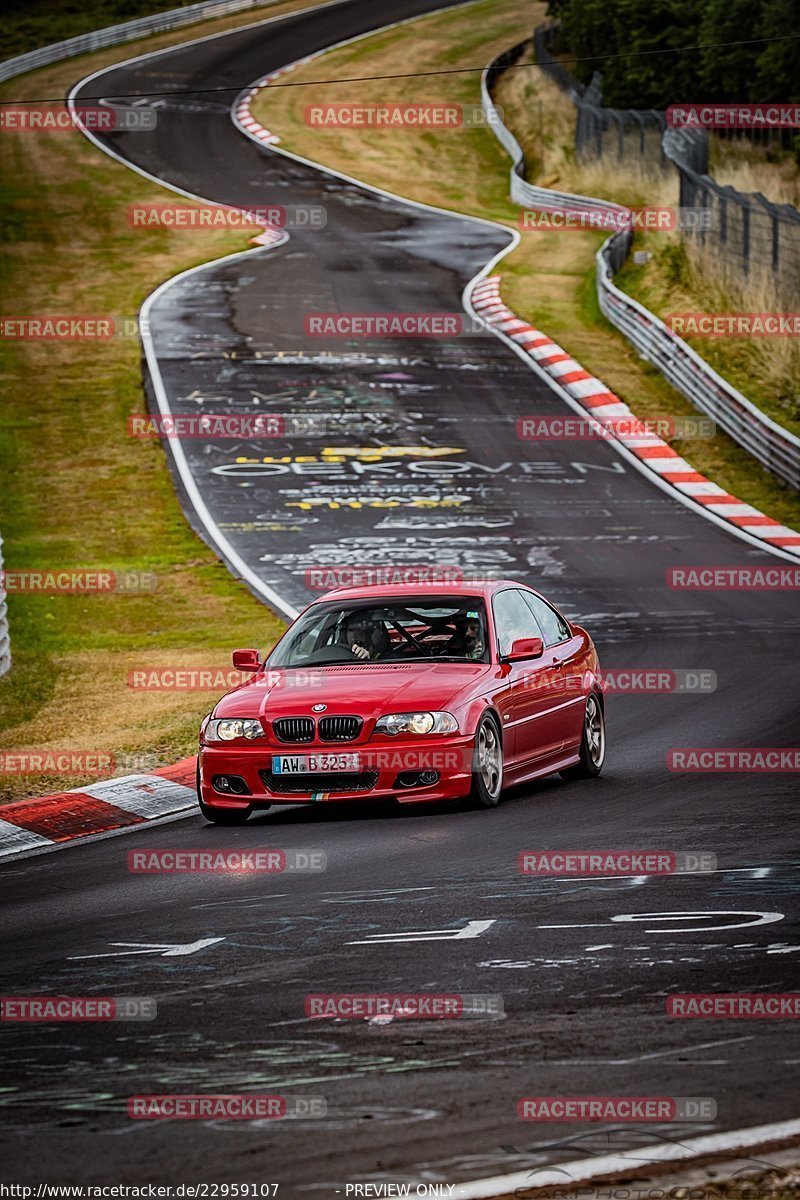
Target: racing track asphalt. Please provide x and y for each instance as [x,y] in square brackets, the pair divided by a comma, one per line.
[584,995]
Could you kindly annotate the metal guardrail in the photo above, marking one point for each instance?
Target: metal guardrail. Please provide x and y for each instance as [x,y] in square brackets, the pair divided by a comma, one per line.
[128,31]
[772,445]
[522,192]
[747,234]
[5,645]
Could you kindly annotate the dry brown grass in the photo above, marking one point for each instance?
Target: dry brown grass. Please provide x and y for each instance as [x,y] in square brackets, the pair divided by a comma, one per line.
[76,490]
[766,370]
[543,120]
[739,164]
[549,279]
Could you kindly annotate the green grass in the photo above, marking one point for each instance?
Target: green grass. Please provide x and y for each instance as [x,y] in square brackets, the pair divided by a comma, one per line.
[549,279]
[78,492]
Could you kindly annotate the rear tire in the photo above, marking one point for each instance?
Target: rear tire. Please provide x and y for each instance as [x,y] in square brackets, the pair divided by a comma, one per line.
[221,816]
[487,764]
[593,742]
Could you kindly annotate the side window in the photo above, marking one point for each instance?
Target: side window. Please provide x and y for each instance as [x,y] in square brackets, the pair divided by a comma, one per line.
[513,619]
[554,627]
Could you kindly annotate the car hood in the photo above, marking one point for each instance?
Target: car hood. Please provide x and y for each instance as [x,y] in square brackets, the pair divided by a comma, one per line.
[361,690]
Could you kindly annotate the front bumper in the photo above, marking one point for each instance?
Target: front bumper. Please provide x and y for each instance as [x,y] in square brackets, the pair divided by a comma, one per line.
[382,768]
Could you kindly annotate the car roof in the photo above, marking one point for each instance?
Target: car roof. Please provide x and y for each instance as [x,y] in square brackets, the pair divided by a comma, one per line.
[402,591]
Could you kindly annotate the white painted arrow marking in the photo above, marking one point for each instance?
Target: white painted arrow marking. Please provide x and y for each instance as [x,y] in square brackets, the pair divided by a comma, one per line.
[472,929]
[167,950]
[761,918]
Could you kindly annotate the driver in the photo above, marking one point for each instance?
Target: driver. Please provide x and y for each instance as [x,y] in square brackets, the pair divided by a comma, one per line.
[468,639]
[366,637]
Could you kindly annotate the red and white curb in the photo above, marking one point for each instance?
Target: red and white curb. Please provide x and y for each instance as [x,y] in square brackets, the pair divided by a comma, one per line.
[31,826]
[248,123]
[242,106]
[616,418]
[590,393]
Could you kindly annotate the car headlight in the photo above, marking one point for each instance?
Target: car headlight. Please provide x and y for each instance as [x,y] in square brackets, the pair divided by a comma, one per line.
[230,728]
[417,722]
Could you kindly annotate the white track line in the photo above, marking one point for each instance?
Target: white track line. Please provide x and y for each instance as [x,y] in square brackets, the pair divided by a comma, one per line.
[212,529]
[241,104]
[564,1175]
[669,489]
[215,534]
[715,1144]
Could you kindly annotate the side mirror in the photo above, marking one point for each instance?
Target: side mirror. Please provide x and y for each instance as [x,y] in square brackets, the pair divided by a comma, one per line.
[525,648]
[246,660]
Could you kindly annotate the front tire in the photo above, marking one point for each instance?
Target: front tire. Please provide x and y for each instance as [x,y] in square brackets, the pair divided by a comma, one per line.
[221,816]
[487,764]
[593,743]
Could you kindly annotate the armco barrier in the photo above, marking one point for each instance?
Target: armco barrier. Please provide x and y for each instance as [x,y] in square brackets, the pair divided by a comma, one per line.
[522,192]
[775,447]
[5,645]
[115,35]
[772,445]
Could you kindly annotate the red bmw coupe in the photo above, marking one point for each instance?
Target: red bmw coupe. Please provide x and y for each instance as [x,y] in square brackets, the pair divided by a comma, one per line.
[415,693]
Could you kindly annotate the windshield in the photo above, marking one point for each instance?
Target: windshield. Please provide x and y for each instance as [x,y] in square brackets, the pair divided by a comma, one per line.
[430,629]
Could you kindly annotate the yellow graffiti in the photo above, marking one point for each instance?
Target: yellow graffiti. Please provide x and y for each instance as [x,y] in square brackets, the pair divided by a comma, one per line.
[365,453]
[305,505]
[370,452]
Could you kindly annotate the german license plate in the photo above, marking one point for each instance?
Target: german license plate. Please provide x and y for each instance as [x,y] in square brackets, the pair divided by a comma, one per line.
[313,764]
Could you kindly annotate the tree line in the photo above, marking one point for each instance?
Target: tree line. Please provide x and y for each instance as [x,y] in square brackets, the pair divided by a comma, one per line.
[761,72]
